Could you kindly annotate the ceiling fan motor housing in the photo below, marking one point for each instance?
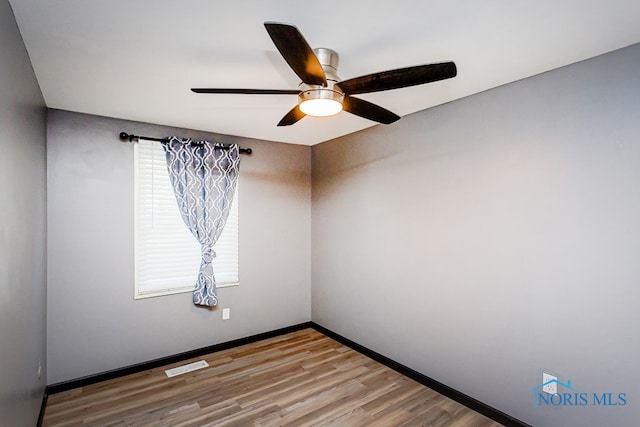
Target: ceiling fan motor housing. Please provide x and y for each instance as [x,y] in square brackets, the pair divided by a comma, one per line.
[329,60]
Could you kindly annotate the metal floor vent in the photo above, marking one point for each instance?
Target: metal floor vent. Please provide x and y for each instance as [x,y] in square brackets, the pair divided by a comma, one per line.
[186,368]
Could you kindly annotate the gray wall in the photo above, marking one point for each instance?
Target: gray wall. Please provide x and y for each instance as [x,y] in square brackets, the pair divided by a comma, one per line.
[490,238]
[94,324]
[22,230]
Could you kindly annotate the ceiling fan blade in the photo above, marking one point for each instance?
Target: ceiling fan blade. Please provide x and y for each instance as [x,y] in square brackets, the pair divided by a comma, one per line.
[402,77]
[297,52]
[248,91]
[292,117]
[370,111]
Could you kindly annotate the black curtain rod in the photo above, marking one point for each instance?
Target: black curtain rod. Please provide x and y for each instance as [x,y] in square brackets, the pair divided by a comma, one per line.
[129,137]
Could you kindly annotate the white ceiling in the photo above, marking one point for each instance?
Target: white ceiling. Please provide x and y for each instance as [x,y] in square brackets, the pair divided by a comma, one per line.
[137,59]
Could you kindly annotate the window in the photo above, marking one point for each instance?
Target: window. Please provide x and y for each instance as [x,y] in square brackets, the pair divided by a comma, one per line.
[167,256]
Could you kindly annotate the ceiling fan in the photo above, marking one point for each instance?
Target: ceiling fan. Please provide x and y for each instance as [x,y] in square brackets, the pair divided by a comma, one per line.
[322,93]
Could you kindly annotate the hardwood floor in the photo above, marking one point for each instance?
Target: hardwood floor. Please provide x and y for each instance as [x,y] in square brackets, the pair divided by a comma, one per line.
[299,379]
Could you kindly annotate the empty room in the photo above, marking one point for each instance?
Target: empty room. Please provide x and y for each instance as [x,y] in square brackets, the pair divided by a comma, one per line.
[342,214]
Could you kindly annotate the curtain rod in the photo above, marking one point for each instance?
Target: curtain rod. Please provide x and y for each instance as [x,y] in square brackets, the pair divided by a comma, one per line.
[129,137]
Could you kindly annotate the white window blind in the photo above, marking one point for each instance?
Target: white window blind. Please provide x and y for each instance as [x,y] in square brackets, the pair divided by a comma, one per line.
[167,256]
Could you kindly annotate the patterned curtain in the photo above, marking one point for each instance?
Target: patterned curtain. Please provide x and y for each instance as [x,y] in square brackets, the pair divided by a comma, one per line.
[204,178]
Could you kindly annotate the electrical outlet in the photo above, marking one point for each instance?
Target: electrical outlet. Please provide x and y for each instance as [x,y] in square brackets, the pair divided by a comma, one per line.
[226,313]
[551,387]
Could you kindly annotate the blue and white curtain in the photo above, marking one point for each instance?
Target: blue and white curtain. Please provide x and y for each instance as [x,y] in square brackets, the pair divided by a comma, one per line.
[204,178]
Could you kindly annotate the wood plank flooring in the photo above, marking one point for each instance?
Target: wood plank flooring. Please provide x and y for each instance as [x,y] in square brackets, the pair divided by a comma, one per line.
[301,379]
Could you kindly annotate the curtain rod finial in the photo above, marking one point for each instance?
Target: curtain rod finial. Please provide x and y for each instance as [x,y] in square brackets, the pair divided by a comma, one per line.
[126,137]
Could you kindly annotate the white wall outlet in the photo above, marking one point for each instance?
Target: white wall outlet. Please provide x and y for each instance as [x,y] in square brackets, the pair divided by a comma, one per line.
[551,387]
[226,313]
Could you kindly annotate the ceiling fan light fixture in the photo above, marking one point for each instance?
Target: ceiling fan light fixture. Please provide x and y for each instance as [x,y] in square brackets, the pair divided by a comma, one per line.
[320,102]
[320,107]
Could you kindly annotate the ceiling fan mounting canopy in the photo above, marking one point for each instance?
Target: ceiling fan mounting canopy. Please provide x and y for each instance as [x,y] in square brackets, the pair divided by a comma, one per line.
[322,93]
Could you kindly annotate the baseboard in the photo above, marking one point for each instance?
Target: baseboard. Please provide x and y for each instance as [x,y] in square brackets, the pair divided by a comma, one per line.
[443,389]
[43,406]
[140,367]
